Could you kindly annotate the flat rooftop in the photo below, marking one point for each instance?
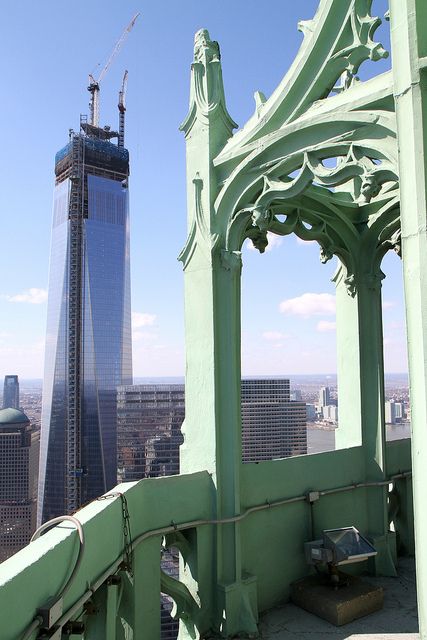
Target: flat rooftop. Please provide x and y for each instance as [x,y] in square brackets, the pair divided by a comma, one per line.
[398,620]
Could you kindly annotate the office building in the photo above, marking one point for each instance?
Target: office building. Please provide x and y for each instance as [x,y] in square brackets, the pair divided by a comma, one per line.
[399,409]
[296,395]
[311,412]
[273,426]
[19,455]
[394,412]
[324,396]
[330,413]
[88,345]
[149,419]
[11,392]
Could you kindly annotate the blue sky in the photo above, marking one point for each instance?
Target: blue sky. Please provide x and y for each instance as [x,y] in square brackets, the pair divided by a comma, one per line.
[48,50]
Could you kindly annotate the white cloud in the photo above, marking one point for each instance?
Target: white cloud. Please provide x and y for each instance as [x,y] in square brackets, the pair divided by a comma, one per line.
[158,359]
[273,242]
[388,304]
[144,335]
[274,335]
[142,319]
[32,296]
[309,304]
[324,326]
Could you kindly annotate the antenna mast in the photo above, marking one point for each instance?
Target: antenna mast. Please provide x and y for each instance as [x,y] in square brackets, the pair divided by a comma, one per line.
[122,109]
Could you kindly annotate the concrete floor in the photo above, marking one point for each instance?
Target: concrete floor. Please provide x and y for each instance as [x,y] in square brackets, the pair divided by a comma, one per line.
[398,620]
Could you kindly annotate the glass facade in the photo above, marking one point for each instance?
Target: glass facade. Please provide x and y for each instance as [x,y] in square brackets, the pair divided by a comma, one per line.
[103,359]
[273,426]
[19,454]
[11,392]
[149,421]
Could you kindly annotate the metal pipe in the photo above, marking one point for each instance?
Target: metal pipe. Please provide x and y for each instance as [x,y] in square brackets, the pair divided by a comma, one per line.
[191,525]
[50,523]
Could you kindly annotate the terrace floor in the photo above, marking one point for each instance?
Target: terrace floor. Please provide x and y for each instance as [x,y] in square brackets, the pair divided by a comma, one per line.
[398,620]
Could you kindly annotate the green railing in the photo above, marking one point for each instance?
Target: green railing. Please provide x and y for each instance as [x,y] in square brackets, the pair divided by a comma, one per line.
[114,591]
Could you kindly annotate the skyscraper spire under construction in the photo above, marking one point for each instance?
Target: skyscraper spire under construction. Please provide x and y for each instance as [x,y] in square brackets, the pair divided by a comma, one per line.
[88,345]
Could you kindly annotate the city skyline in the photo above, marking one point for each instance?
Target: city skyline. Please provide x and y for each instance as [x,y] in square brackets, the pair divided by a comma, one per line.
[294,332]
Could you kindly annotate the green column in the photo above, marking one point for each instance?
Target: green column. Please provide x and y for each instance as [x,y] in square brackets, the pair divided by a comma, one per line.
[212,434]
[349,432]
[371,374]
[361,394]
[409,48]
[144,603]
[373,421]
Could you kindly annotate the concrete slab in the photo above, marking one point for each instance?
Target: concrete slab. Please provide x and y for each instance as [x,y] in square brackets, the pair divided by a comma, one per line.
[397,620]
[339,606]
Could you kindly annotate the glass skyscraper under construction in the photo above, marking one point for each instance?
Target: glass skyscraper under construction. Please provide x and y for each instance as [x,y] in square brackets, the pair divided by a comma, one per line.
[88,345]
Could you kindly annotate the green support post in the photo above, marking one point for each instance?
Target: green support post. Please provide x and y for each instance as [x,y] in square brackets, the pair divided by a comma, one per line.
[141,597]
[361,394]
[212,438]
[373,421]
[409,48]
[349,432]
[318,158]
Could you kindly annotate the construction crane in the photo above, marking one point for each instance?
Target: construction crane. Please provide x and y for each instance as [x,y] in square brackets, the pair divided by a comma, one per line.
[94,85]
[122,109]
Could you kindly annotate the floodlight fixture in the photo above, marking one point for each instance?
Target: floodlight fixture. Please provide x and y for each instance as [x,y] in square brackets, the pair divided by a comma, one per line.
[338,547]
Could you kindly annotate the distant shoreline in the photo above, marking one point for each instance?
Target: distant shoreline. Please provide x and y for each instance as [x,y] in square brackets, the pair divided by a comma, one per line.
[325,379]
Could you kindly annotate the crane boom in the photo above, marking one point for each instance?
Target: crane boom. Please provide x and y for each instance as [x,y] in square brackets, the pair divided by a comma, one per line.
[118,46]
[93,87]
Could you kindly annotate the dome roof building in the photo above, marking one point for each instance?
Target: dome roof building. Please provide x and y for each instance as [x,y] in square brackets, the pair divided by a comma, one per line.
[19,454]
[12,416]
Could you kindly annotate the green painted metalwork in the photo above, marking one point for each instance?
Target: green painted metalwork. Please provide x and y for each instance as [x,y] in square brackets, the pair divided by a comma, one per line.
[319,158]
[114,604]
[409,41]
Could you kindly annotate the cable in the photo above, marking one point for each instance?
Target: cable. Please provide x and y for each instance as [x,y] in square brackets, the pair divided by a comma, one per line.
[77,523]
[170,529]
[36,623]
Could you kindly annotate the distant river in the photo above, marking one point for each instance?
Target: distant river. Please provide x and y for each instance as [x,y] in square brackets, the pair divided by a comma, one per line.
[319,440]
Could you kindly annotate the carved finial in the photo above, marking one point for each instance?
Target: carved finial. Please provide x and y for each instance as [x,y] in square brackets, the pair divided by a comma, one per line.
[305,26]
[260,99]
[207,99]
[205,49]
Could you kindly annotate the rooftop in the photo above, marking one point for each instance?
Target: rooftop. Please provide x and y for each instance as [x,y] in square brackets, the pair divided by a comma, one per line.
[12,416]
[398,620]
